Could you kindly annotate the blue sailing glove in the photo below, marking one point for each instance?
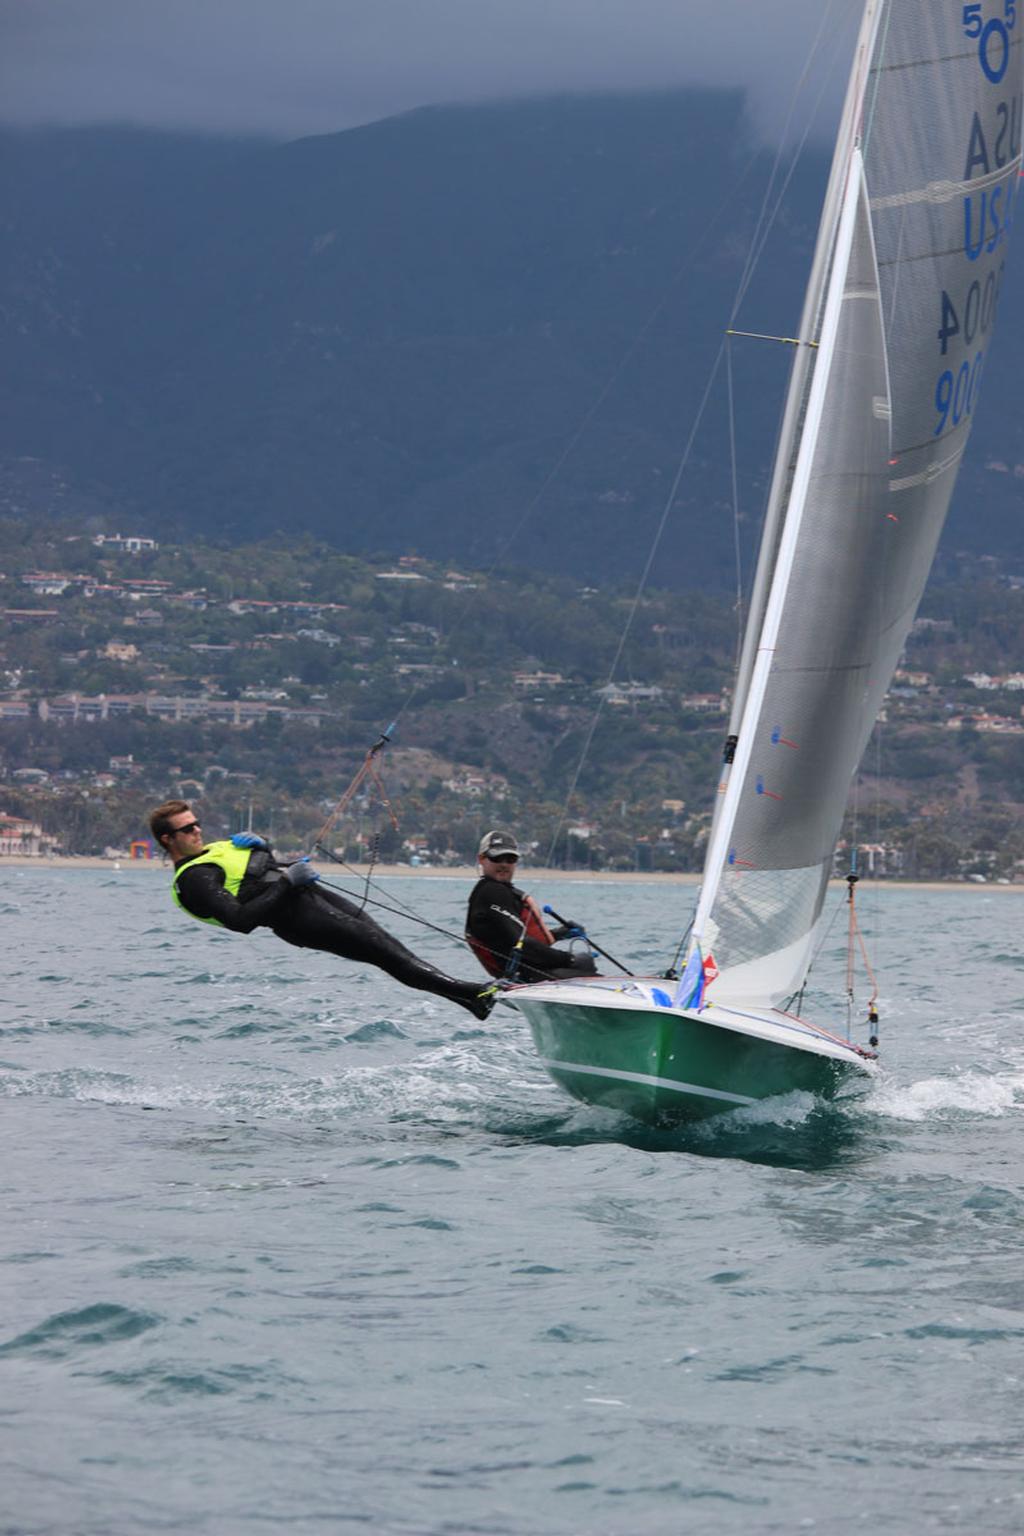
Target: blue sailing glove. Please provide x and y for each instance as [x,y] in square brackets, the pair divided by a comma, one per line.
[249,840]
[300,874]
[567,931]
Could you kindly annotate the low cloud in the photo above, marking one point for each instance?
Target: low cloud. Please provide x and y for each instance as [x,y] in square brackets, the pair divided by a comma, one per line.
[286,68]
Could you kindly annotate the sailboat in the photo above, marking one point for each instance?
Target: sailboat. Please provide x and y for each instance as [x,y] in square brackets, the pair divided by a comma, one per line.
[897,320]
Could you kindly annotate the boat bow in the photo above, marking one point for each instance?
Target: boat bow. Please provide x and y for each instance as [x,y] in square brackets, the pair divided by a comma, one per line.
[616,1043]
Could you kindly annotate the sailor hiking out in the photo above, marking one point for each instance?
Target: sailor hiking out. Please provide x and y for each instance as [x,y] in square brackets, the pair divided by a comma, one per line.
[238,884]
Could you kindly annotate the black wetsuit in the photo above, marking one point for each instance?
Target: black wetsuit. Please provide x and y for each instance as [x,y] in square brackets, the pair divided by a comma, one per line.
[313,918]
[495,918]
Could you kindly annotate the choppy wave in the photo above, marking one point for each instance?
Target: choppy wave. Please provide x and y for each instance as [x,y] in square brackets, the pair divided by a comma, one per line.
[288,1246]
[442,1082]
[69,1333]
[968,1092]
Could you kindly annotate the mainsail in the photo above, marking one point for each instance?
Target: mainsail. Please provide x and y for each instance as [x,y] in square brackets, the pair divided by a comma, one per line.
[897,324]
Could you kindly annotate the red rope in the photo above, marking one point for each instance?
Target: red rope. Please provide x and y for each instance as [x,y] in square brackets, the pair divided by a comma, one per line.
[855,939]
[366,770]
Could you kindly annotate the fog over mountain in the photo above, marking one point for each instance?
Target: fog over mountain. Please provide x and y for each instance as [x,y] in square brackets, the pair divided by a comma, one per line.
[318,66]
[477,332]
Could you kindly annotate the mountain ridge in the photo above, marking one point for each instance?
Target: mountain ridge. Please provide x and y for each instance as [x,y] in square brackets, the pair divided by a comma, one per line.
[480,332]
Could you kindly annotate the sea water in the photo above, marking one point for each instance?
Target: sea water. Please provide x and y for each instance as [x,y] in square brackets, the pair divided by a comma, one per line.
[287,1247]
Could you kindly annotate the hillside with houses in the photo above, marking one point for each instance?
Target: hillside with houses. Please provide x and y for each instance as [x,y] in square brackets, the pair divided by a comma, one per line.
[255,678]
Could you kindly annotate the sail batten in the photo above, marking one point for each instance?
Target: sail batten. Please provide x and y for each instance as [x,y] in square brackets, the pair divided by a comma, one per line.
[907,281]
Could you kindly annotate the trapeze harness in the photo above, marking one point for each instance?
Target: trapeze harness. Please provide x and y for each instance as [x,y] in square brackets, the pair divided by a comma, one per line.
[328,921]
[233,861]
[497,965]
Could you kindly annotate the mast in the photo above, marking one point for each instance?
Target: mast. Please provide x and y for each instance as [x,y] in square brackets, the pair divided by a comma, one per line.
[794,424]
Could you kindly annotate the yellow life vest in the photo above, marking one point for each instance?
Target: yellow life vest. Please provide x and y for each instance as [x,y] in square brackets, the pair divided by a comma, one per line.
[233,861]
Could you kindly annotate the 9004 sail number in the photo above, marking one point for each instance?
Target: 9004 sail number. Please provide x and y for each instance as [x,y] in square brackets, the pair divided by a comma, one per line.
[975,313]
[956,394]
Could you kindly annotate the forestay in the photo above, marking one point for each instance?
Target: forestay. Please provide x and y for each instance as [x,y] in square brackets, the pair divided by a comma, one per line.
[915,235]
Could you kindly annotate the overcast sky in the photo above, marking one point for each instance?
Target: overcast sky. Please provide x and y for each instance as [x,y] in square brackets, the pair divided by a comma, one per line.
[293,67]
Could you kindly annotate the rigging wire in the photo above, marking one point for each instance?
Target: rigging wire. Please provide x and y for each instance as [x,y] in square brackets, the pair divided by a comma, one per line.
[367,770]
[641,587]
[796,1000]
[879,731]
[402,910]
[763,226]
[626,357]
[506,543]
[672,970]
[766,223]
[512,537]
[855,940]
[737,553]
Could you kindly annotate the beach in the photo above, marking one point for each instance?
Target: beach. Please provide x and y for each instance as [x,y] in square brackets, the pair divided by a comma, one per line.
[376,871]
[467,872]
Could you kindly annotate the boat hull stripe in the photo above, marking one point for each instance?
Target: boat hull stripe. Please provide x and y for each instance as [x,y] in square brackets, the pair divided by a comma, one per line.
[647,1080]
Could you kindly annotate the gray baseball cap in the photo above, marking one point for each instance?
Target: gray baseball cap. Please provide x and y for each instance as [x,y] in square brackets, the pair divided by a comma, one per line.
[496,843]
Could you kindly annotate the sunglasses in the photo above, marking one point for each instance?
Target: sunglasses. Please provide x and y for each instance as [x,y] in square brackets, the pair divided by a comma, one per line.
[190,826]
[504,858]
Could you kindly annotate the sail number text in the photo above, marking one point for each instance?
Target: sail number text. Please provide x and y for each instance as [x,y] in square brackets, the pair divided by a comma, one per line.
[956,395]
[975,314]
[957,392]
[993,37]
[966,317]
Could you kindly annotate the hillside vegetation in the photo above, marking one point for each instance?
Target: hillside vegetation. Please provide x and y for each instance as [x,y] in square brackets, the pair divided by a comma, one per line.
[255,678]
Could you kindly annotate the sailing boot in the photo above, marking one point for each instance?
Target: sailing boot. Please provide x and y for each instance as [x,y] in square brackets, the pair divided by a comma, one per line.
[478,1000]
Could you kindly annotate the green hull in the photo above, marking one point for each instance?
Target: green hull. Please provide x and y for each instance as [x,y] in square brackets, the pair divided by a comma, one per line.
[662,1066]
